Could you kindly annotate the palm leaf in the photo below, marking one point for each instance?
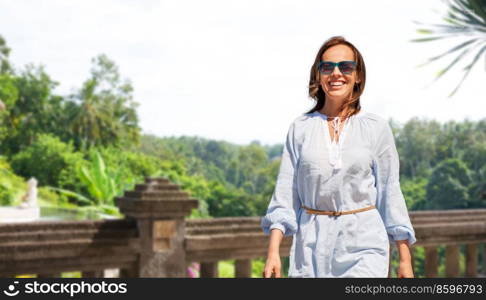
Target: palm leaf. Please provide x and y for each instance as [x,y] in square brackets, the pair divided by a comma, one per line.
[429,39]
[455,61]
[468,69]
[464,18]
[450,51]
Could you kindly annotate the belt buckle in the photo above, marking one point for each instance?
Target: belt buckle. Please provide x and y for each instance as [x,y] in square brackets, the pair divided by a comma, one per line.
[337,213]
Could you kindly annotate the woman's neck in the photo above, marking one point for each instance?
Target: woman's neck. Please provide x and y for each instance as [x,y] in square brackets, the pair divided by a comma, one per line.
[333,109]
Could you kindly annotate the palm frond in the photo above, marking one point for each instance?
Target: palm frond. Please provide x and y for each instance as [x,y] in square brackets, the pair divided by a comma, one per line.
[468,69]
[464,18]
[449,51]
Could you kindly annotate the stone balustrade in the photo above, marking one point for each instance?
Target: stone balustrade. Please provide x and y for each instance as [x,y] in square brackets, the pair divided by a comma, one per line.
[156,240]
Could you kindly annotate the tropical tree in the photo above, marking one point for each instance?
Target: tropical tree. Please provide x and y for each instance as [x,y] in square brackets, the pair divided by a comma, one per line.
[103,112]
[5,66]
[464,19]
[33,108]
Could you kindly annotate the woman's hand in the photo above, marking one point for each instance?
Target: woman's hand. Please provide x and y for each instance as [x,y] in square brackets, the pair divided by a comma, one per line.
[405,269]
[272,266]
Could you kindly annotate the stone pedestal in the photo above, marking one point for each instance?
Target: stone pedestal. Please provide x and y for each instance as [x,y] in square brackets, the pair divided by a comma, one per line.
[159,207]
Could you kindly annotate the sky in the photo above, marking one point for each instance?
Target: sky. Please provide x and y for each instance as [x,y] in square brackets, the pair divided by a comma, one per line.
[238,70]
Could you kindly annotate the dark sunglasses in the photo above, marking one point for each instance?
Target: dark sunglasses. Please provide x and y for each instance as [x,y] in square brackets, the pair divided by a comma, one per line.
[346,67]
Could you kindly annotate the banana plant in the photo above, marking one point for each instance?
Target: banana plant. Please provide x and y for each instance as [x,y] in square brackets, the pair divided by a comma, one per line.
[101,185]
[465,18]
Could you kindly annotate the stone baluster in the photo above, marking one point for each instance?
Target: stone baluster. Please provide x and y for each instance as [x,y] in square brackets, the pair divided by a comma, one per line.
[243,268]
[431,261]
[209,269]
[471,260]
[452,260]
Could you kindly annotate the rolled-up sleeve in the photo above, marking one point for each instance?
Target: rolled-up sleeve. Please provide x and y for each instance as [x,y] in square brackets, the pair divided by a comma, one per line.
[284,204]
[390,201]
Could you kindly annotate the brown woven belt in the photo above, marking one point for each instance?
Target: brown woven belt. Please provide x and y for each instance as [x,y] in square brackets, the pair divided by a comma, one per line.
[336,213]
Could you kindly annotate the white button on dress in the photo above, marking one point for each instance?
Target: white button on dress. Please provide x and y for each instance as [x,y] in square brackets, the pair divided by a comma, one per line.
[359,170]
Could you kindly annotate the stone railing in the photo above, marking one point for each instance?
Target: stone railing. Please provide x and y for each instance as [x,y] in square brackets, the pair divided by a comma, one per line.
[451,228]
[49,248]
[156,240]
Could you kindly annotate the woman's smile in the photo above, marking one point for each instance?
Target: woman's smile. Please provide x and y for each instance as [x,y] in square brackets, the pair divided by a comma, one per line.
[337,84]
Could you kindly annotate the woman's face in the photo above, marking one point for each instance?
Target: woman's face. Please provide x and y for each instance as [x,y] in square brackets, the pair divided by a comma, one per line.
[338,86]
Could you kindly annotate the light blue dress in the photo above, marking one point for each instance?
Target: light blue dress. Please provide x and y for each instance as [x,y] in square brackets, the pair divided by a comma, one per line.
[361,169]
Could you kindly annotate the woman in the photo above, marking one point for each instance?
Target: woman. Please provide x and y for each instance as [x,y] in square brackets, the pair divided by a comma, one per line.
[338,192]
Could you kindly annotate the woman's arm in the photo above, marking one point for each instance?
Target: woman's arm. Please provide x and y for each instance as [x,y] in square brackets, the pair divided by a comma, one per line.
[405,269]
[281,217]
[273,264]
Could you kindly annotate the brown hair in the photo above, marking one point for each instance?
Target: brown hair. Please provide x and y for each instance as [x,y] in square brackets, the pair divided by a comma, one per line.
[315,89]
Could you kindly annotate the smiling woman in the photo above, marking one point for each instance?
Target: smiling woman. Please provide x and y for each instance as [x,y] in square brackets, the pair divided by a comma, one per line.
[348,80]
[338,192]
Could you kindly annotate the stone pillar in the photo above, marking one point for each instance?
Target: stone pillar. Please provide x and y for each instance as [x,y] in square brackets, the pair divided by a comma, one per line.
[471,260]
[160,208]
[209,269]
[243,268]
[452,260]
[431,261]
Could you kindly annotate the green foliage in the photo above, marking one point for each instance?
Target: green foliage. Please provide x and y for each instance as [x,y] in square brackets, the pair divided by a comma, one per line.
[257,267]
[107,174]
[8,97]
[101,113]
[448,186]
[8,90]
[226,268]
[240,179]
[131,166]
[32,108]
[5,66]
[50,161]
[417,145]
[12,187]
[477,191]
[414,192]
[47,197]
[197,186]
[274,151]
